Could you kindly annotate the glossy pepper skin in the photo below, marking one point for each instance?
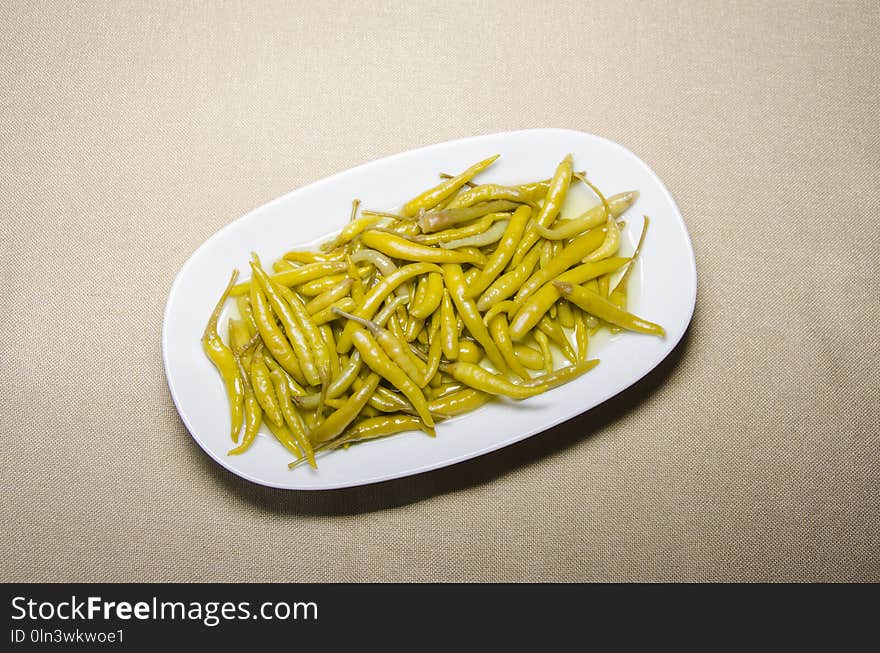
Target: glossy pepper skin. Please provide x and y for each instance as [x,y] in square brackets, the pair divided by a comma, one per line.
[297,276]
[431,297]
[533,309]
[553,202]
[480,379]
[433,196]
[378,294]
[435,221]
[224,360]
[502,255]
[458,403]
[501,336]
[339,419]
[395,348]
[272,335]
[553,331]
[435,352]
[600,307]
[292,327]
[241,345]
[402,248]
[466,308]
[371,428]
[563,374]
[292,419]
[570,255]
[510,282]
[618,296]
[489,192]
[589,219]
[470,229]
[264,391]
[381,364]
[379,427]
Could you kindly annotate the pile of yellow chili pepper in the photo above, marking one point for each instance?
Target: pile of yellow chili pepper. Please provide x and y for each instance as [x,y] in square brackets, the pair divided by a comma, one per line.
[408,318]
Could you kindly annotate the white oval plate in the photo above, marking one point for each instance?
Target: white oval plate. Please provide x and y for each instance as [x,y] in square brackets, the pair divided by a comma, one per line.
[664,291]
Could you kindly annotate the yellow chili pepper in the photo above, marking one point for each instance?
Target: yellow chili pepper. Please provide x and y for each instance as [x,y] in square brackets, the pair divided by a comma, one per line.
[330,347]
[387,401]
[243,303]
[402,248]
[537,189]
[329,297]
[469,352]
[489,192]
[618,295]
[261,382]
[224,360]
[528,357]
[565,314]
[443,389]
[589,219]
[557,335]
[443,219]
[241,345]
[379,427]
[346,376]
[573,253]
[298,275]
[354,275]
[292,419]
[317,286]
[378,361]
[581,336]
[546,253]
[283,265]
[549,209]
[318,346]
[432,295]
[373,428]
[533,309]
[507,284]
[470,229]
[609,244]
[432,197]
[299,256]
[339,419]
[501,337]
[457,403]
[435,351]
[413,328]
[293,330]
[562,375]
[471,317]
[377,294]
[603,309]
[547,355]
[285,437]
[491,235]
[495,384]
[396,349]
[253,417]
[353,229]
[327,315]
[503,253]
[294,388]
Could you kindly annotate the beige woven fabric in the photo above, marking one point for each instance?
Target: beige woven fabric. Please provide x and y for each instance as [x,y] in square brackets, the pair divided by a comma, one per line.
[132,131]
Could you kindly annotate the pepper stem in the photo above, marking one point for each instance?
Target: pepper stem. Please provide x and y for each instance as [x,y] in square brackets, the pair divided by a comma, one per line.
[369,325]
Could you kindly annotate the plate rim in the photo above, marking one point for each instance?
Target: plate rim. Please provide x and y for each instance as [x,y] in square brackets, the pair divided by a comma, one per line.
[556,421]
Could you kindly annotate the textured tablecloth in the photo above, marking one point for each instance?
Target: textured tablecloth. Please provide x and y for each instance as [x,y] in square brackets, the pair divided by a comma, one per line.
[133,131]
